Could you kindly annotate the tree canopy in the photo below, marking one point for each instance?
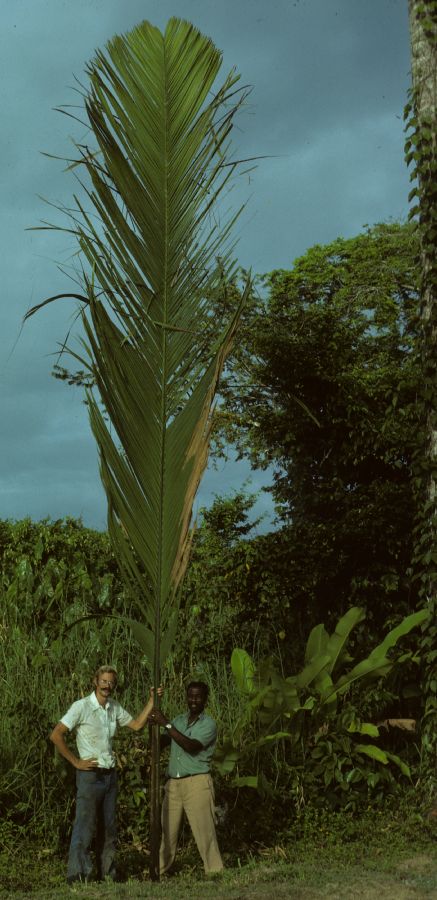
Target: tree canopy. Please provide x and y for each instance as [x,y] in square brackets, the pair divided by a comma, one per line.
[323,389]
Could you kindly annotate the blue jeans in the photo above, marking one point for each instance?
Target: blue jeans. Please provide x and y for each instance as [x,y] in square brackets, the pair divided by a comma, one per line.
[95,806]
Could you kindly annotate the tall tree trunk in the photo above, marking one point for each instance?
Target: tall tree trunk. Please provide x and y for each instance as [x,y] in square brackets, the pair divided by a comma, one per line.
[422,151]
[155,803]
[423,35]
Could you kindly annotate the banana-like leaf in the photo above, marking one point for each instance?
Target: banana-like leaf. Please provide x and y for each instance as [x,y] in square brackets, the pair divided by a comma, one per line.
[316,643]
[337,641]
[373,752]
[321,644]
[403,628]
[377,663]
[324,685]
[405,769]
[367,668]
[159,251]
[312,670]
[243,670]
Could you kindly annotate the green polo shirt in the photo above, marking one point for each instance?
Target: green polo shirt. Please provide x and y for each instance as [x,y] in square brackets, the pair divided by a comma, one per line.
[203,730]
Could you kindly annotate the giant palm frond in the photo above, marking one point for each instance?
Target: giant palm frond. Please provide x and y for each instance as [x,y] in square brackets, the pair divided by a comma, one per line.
[153,258]
[157,255]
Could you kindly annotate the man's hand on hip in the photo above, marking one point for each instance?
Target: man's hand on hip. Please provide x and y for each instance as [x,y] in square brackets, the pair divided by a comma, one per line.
[86,765]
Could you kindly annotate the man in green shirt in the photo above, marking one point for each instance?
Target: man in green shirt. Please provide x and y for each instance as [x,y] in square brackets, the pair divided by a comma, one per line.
[189,786]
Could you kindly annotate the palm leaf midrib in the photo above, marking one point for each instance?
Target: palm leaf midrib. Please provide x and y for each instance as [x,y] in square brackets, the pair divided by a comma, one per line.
[164,340]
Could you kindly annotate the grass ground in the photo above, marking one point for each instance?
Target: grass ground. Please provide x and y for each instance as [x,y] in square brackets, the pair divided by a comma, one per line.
[391,860]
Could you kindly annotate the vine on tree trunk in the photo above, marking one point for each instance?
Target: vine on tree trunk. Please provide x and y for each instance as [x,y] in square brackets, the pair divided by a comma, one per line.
[420,154]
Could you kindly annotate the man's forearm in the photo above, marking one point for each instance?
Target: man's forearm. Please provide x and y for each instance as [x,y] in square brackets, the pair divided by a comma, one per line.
[61,746]
[188,744]
[58,738]
[139,722]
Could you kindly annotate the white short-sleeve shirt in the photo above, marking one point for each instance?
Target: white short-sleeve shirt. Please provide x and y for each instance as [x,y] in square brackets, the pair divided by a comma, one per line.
[95,727]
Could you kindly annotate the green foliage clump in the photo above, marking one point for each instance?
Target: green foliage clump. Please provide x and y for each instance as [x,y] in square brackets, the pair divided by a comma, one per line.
[323,389]
[235,584]
[331,755]
[53,574]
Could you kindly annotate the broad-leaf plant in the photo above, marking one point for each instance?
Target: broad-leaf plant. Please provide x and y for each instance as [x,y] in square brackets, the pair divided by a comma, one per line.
[309,708]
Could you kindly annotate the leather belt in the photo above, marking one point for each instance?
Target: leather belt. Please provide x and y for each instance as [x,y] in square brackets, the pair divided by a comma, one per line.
[180,777]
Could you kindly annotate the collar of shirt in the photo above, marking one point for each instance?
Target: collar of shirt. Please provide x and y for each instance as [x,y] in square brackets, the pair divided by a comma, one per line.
[194,722]
[95,703]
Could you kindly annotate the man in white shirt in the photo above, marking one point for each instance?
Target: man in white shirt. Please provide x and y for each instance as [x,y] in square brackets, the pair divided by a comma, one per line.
[95,719]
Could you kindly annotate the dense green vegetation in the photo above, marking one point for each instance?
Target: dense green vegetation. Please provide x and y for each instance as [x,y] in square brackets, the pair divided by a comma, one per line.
[53,575]
[323,389]
[388,853]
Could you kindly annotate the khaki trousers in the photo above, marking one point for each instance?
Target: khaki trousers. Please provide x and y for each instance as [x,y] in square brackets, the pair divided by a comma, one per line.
[195,796]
